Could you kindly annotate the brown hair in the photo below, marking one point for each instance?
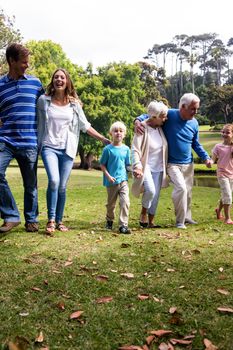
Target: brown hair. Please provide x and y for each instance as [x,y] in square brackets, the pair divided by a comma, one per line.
[229,126]
[70,92]
[15,51]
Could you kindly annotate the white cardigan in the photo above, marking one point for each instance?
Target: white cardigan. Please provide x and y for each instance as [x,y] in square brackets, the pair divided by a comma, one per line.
[79,123]
[139,151]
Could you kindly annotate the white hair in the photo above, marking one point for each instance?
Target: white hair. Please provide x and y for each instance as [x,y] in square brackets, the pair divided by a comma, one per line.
[118,125]
[187,99]
[155,108]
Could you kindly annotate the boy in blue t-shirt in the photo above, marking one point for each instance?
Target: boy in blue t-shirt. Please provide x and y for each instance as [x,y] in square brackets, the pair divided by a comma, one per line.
[114,162]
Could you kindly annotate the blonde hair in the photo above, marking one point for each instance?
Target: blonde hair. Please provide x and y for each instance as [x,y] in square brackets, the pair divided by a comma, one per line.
[155,108]
[118,125]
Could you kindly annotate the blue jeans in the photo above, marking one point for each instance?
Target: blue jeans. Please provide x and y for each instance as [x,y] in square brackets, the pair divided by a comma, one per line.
[58,166]
[27,161]
[152,186]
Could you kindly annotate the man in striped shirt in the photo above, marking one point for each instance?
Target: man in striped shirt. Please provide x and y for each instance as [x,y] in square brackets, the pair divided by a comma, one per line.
[18,137]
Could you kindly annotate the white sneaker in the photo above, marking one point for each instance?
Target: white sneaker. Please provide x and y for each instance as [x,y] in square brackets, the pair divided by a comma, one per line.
[180,225]
[191,222]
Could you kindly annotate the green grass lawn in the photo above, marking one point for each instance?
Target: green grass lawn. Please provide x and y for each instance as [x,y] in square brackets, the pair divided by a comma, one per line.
[46,279]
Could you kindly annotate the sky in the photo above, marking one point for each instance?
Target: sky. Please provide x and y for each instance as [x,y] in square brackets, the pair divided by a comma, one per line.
[103,31]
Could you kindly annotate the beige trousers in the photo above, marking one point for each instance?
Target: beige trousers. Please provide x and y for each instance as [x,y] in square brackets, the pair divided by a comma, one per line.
[121,190]
[181,176]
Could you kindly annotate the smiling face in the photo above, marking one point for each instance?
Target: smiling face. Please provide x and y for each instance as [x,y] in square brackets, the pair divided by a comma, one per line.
[19,67]
[59,81]
[227,134]
[188,112]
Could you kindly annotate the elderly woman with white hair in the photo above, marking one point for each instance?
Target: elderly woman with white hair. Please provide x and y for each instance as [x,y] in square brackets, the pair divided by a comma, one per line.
[149,161]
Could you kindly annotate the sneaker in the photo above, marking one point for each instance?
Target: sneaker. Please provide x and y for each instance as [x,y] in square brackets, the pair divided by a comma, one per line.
[124,229]
[32,226]
[180,225]
[8,226]
[191,222]
[108,225]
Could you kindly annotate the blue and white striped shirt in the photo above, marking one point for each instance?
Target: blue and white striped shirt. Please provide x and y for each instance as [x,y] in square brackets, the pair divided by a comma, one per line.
[18,110]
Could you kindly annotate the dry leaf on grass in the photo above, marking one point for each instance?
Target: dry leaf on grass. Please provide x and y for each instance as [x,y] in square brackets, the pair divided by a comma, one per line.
[150,339]
[160,332]
[225,309]
[172,310]
[102,278]
[68,263]
[220,269]
[128,275]
[171,270]
[104,300]
[36,289]
[130,347]
[164,346]
[39,338]
[143,296]
[209,345]
[20,343]
[223,291]
[61,305]
[180,341]
[76,314]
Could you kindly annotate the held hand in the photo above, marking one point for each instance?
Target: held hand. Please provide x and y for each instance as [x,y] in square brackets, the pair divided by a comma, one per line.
[209,162]
[106,141]
[111,179]
[138,127]
[137,173]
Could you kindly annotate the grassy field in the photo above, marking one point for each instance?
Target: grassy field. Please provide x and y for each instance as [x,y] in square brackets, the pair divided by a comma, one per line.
[121,287]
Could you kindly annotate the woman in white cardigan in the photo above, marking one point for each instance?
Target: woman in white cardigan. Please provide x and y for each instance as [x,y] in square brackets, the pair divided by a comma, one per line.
[149,161]
[60,119]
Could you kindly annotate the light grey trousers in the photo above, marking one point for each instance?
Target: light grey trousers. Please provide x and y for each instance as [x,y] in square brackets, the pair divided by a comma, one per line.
[181,176]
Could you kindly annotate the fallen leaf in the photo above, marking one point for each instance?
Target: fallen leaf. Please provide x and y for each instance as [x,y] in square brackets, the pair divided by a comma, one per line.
[46,282]
[76,314]
[102,278]
[223,291]
[68,263]
[130,347]
[39,338]
[160,332]
[143,296]
[20,343]
[225,309]
[150,339]
[209,345]
[128,275]
[171,270]
[181,287]
[220,269]
[145,347]
[180,341]
[61,305]
[36,289]
[23,314]
[104,300]
[163,346]
[172,310]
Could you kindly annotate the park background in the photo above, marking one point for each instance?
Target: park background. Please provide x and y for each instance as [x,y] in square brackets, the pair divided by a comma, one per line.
[91,289]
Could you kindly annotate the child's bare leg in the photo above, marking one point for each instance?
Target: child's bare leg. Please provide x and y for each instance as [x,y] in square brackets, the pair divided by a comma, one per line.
[218,210]
[227,212]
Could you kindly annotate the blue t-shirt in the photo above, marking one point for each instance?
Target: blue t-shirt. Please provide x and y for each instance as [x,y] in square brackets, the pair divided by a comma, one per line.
[182,136]
[18,110]
[115,159]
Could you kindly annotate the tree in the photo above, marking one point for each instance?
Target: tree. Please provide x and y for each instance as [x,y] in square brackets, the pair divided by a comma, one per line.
[219,103]
[46,57]
[8,35]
